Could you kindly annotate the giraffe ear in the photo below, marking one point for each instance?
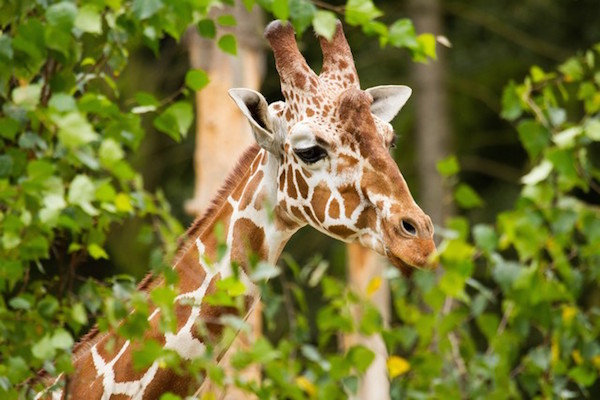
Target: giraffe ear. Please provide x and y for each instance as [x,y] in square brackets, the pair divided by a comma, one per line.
[254,106]
[388,100]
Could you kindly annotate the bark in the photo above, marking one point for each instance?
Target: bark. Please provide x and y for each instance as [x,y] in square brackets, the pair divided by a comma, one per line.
[433,123]
[222,135]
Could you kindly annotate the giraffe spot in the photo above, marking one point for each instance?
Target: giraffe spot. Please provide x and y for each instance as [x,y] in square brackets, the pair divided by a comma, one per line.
[299,79]
[84,379]
[250,190]
[309,112]
[313,83]
[291,187]
[179,384]
[341,230]
[281,180]
[351,199]
[302,185]
[248,240]
[297,213]
[190,276]
[367,219]
[319,201]
[350,78]
[344,162]
[343,64]
[334,209]
[311,217]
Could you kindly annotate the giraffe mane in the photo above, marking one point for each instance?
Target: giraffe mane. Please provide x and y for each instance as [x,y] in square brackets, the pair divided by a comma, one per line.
[94,335]
[230,184]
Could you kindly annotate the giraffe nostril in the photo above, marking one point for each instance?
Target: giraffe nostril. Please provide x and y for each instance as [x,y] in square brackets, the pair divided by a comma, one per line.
[409,227]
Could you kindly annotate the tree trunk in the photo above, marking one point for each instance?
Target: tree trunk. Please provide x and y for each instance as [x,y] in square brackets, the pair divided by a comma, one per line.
[365,265]
[432,116]
[222,135]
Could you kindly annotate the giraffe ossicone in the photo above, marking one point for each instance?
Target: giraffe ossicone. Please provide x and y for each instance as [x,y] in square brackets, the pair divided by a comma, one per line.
[322,159]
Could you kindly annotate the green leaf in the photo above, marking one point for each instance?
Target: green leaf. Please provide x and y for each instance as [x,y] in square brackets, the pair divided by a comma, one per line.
[534,136]
[48,306]
[280,9]
[538,173]
[89,20]
[360,12]
[360,358]
[448,166]
[97,252]
[62,14]
[10,240]
[485,237]
[324,23]
[6,165]
[233,286]
[74,129]
[171,396]
[110,152]
[226,20]
[592,129]
[8,128]
[43,349]
[62,102]
[264,271]
[572,69]
[564,163]
[402,34]
[567,138]
[176,120]
[511,103]
[301,13]
[61,339]
[426,49]
[81,193]
[466,197]
[163,296]
[206,28]
[146,99]
[151,350]
[78,313]
[6,51]
[196,79]
[228,44]
[583,375]
[506,273]
[144,9]
[248,4]
[19,303]
[27,96]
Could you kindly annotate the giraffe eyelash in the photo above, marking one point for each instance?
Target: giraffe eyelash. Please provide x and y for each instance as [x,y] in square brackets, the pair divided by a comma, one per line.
[312,154]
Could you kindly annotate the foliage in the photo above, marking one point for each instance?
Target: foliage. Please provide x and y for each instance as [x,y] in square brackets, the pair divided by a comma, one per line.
[513,314]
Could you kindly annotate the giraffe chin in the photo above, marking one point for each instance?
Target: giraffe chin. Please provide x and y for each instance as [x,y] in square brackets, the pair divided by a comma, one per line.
[406,269]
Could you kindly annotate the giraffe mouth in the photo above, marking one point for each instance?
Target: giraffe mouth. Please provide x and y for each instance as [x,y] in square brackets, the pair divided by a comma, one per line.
[406,269]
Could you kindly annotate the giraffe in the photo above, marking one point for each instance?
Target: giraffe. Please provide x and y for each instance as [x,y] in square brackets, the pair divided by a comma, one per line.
[321,159]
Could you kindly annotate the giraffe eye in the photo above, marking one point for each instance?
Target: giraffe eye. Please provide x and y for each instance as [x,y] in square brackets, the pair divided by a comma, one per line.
[311,155]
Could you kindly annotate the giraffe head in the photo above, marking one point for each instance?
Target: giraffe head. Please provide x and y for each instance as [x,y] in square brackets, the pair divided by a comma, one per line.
[331,141]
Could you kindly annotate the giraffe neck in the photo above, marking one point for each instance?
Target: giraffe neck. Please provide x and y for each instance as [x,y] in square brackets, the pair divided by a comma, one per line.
[245,221]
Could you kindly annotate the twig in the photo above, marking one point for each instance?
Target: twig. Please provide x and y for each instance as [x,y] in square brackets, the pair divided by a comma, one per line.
[330,7]
[517,36]
[502,325]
